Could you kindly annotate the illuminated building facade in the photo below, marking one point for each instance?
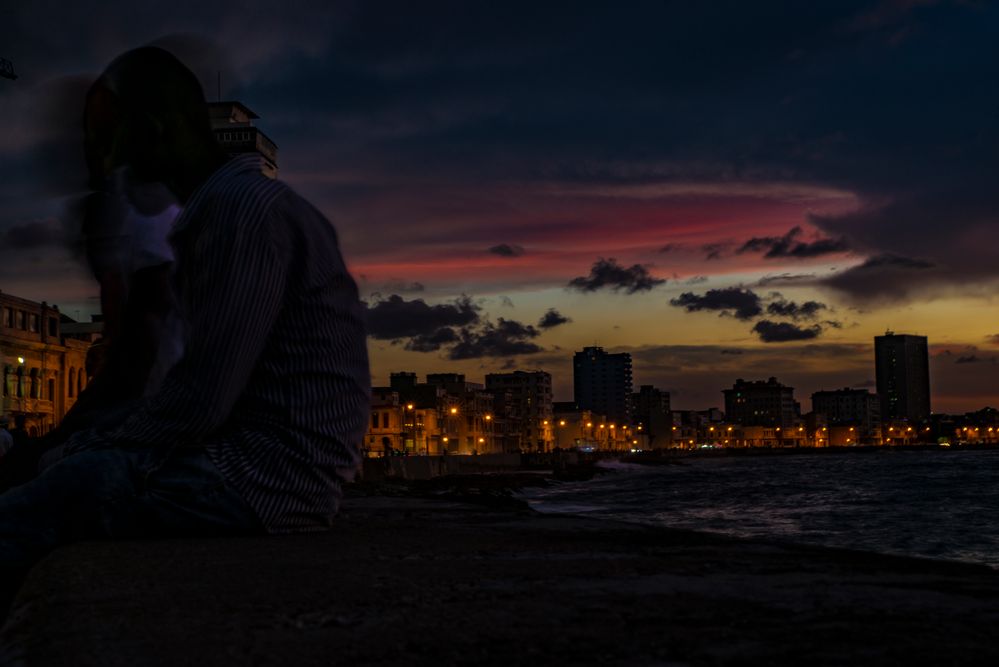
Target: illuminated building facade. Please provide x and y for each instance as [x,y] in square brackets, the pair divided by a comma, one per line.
[232,124]
[761,403]
[529,397]
[44,370]
[851,407]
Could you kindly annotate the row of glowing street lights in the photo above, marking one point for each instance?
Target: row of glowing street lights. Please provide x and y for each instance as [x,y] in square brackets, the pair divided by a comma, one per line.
[453,411]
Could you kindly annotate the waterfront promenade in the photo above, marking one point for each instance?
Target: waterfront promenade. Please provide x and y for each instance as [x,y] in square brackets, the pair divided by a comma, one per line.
[402,580]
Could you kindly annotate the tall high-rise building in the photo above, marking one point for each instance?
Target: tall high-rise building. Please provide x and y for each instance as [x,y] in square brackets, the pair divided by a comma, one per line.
[902,368]
[602,383]
[760,403]
[232,124]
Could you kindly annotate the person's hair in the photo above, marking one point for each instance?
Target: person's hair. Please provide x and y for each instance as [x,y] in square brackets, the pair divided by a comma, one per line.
[158,101]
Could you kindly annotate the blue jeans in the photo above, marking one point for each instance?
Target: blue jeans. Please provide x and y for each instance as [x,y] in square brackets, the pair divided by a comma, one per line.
[118,493]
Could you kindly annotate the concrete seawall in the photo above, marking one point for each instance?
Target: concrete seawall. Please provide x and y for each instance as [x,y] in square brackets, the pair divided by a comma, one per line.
[425,467]
[401,581]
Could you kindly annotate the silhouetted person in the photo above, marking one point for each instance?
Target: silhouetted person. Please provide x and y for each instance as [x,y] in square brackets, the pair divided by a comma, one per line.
[259,422]
[6,439]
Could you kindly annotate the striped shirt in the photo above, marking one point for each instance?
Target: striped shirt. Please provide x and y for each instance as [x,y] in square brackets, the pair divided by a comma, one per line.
[274,380]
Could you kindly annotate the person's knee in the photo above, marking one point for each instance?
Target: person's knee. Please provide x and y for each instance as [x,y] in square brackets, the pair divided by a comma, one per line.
[99,472]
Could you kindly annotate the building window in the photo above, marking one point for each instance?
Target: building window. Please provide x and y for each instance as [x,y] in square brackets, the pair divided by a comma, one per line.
[385,420]
[53,326]
[19,319]
[33,322]
[52,390]
[8,318]
[374,420]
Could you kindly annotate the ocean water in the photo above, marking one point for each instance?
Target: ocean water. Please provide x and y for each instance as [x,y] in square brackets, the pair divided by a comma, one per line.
[937,504]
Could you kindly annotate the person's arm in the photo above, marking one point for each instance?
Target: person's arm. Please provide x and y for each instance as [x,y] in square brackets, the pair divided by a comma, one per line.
[235,286]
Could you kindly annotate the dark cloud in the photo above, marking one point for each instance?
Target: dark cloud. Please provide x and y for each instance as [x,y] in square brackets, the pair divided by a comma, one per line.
[505,338]
[805,311]
[790,245]
[702,371]
[32,235]
[552,318]
[608,274]
[395,318]
[506,302]
[400,286]
[696,280]
[786,279]
[457,327]
[881,278]
[506,250]
[968,359]
[714,250]
[741,303]
[830,93]
[783,332]
[433,341]
[933,240]
[671,247]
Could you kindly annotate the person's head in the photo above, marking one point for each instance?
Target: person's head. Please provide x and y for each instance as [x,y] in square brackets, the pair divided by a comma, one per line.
[147,111]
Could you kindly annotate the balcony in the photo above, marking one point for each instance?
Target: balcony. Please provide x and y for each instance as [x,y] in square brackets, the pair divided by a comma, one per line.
[28,406]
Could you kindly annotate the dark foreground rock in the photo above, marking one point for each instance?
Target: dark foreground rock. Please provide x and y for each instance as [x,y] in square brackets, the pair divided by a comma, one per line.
[403,581]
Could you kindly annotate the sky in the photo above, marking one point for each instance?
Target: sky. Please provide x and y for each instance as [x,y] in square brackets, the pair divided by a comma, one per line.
[723,189]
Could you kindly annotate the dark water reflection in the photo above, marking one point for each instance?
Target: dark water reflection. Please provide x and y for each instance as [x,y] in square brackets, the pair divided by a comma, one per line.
[936,504]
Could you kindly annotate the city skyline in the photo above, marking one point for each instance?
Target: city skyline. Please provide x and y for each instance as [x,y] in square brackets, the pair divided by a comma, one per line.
[722,191]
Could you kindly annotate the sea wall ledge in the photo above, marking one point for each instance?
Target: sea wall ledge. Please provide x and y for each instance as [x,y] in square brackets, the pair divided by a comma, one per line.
[416,581]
